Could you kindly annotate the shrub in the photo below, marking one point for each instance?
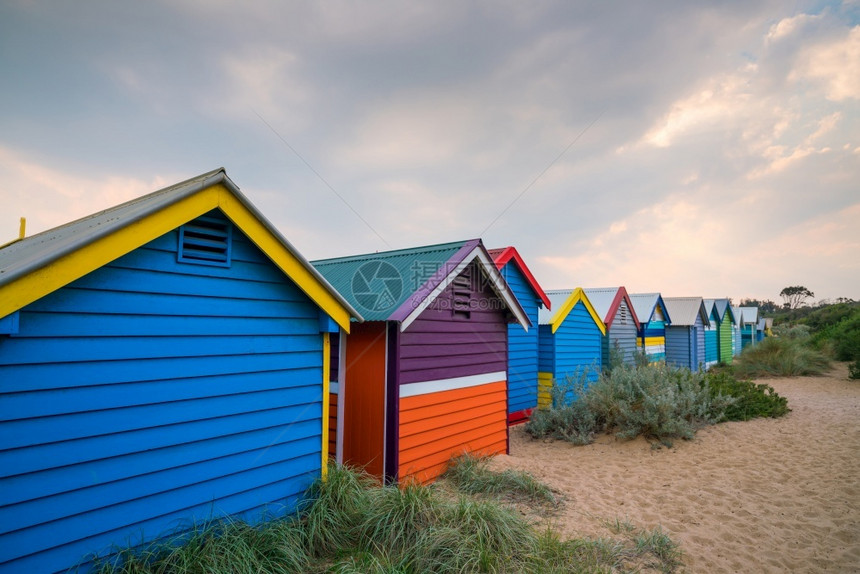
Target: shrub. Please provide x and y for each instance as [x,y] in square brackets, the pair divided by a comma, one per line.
[657,401]
[751,400]
[780,356]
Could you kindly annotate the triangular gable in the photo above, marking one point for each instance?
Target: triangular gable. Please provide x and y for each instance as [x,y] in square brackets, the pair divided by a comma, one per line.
[439,265]
[750,315]
[33,267]
[566,300]
[722,307]
[645,304]
[611,299]
[506,255]
[685,309]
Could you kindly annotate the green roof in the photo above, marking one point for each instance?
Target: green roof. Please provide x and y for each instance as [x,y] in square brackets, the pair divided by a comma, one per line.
[379,283]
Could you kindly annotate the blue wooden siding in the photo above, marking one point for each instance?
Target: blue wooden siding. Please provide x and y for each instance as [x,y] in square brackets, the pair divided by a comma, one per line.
[680,346]
[546,349]
[574,348]
[522,345]
[622,333]
[578,345]
[711,344]
[150,394]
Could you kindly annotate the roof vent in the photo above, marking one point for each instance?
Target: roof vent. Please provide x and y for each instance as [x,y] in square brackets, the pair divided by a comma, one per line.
[206,241]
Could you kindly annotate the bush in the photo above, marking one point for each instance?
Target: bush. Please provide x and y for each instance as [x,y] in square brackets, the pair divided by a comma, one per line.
[657,401]
[751,400]
[785,356]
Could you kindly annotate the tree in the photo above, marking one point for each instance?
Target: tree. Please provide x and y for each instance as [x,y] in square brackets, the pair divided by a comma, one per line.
[795,296]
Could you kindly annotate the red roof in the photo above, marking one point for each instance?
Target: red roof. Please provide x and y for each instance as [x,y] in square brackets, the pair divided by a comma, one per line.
[504,255]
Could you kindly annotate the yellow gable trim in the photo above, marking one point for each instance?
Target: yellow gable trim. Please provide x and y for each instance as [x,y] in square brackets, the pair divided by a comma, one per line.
[59,273]
[284,259]
[575,297]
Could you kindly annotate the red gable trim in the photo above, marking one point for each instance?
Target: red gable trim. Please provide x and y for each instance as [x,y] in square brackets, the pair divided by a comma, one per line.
[503,256]
[620,295]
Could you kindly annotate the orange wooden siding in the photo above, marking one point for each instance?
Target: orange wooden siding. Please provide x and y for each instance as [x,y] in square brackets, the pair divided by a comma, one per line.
[332,425]
[436,426]
[363,391]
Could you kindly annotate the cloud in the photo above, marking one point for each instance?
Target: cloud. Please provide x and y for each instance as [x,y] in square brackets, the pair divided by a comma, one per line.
[834,65]
[50,197]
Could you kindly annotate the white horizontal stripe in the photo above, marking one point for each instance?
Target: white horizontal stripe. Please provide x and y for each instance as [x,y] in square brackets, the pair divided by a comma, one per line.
[427,387]
[334,388]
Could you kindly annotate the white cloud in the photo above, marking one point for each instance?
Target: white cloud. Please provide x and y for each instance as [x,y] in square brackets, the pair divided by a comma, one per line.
[834,64]
[788,26]
[49,197]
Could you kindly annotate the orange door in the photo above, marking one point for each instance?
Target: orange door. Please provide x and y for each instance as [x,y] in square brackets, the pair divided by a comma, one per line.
[364,398]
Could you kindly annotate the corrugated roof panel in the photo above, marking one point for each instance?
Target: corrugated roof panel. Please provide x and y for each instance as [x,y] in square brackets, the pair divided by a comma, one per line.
[750,315]
[601,299]
[36,251]
[379,283]
[556,297]
[683,310]
[644,303]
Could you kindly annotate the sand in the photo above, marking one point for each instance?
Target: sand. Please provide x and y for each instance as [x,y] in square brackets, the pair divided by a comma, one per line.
[768,495]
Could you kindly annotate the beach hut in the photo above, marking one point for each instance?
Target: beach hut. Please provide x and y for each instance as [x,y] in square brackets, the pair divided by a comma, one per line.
[685,337]
[425,377]
[712,346]
[725,323]
[761,327]
[571,341]
[653,319]
[522,344]
[615,309]
[749,326]
[162,362]
[736,331]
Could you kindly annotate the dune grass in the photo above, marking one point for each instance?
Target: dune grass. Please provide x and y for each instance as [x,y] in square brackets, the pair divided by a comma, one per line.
[351,524]
[788,355]
[471,474]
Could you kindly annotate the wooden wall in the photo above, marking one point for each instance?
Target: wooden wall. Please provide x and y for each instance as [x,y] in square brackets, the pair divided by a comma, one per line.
[150,394]
[453,390]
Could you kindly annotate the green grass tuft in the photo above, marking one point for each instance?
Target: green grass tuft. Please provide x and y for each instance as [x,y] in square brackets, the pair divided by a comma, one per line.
[787,356]
[471,474]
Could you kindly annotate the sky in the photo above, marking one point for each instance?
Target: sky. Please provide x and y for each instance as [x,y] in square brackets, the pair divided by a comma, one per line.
[688,148]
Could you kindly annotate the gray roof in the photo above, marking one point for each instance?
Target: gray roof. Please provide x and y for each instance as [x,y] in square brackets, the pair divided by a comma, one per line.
[683,310]
[601,299]
[557,298]
[736,311]
[24,256]
[644,304]
[722,305]
[750,315]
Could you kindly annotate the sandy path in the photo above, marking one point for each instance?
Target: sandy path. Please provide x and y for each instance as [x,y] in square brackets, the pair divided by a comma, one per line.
[775,495]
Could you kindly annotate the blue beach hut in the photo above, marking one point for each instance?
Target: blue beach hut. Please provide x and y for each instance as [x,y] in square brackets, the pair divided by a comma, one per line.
[712,345]
[685,337]
[162,362]
[749,326]
[653,319]
[522,344]
[571,340]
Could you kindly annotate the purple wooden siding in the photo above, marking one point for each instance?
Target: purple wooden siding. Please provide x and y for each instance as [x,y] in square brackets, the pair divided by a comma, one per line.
[445,341]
